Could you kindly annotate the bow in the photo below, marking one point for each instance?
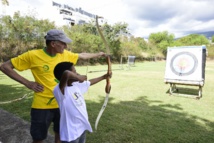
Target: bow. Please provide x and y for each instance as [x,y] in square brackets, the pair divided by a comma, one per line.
[108,85]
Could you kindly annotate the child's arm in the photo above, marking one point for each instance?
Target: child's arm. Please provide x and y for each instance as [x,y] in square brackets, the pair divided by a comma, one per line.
[98,79]
[69,75]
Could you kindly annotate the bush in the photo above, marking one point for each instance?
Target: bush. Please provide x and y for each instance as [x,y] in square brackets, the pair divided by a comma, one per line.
[210,51]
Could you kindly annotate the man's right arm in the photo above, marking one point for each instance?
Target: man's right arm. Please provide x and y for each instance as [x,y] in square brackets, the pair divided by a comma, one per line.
[86,56]
[8,69]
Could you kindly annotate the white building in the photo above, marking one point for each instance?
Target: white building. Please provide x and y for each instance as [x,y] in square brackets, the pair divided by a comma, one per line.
[75,16]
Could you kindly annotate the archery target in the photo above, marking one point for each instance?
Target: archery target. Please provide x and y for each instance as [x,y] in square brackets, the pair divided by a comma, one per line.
[185,63]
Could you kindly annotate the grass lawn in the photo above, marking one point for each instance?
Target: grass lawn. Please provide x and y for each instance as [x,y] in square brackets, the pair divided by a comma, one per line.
[139,110]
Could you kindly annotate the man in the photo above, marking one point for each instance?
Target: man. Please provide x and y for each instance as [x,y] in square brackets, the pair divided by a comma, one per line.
[41,62]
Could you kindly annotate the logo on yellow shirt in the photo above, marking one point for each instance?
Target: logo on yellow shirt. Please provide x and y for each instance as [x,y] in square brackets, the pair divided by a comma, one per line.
[46,68]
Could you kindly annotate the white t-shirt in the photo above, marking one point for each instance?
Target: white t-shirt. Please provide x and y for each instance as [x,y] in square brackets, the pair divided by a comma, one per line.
[73,112]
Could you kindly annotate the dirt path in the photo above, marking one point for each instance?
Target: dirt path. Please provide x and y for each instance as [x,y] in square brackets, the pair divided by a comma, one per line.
[15,130]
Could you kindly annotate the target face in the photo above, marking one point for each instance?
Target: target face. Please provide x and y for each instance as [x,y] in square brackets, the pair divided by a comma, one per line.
[183,64]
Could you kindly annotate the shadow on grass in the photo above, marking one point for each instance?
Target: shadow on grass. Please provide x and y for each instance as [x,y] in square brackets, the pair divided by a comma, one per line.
[139,121]
[142,122]
[1,76]
[188,91]
[20,108]
[10,92]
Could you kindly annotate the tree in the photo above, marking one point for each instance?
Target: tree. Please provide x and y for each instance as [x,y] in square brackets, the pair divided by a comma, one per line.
[112,34]
[162,40]
[90,28]
[213,39]
[21,33]
[131,46]
[194,39]
[161,36]
[5,2]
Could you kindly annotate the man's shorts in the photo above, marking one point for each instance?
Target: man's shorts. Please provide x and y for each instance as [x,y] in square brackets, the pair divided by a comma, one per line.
[41,120]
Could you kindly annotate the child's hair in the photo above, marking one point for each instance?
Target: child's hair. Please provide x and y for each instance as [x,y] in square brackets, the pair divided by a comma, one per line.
[60,68]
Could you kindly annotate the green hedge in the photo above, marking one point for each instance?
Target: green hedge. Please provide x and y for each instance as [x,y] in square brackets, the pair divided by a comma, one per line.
[210,50]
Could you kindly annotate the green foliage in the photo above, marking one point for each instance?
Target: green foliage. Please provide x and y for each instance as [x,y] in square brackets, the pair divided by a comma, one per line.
[163,46]
[115,46]
[193,39]
[90,29]
[213,39]
[130,48]
[87,43]
[162,40]
[21,33]
[112,34]
[83,40]
[161,36]
[210,51]
[86,38]
[177,43]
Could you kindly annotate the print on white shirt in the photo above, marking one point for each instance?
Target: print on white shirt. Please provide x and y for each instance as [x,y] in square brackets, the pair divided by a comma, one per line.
[78,101]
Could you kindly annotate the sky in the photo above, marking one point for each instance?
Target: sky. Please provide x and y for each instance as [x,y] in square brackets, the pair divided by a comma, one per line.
[178,17]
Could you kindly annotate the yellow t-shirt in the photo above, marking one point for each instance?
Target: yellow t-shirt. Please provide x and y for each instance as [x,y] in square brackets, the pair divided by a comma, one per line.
[42,65]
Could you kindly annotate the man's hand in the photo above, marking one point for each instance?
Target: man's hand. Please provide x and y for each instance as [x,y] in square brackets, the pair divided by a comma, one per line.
[35,86]
[102,54]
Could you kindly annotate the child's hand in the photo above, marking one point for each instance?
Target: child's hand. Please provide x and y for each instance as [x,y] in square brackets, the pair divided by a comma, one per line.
[108,75]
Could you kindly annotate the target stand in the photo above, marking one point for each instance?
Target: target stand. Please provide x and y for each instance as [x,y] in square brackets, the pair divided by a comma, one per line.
[130,61]
[180,89]
[185,66]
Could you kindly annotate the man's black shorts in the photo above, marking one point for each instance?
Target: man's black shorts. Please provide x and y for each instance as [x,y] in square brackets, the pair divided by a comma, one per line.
[41,120]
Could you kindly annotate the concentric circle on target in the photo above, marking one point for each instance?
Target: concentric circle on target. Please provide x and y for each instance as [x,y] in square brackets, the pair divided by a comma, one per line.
[183,63]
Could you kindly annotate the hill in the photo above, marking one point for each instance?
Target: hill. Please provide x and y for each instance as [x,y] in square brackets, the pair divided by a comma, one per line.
[207,34]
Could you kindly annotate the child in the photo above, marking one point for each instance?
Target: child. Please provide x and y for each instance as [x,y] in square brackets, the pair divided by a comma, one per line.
[69,95]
